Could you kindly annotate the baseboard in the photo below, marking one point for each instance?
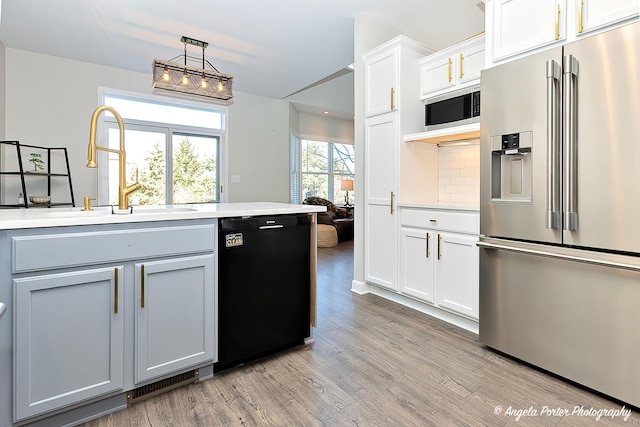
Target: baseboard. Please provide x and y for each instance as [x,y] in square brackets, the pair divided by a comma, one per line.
[360,288]
[446,316]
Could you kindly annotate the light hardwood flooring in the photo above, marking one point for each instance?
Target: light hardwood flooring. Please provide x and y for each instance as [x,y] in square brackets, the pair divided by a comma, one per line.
[373,363]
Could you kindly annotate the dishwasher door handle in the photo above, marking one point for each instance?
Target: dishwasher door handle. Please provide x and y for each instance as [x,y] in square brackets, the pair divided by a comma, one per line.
[268,227]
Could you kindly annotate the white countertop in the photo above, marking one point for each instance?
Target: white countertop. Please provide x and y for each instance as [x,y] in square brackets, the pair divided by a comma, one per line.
[60,217]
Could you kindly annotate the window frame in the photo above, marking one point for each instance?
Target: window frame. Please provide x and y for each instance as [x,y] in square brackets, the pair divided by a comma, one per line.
[298,173]
[108,122]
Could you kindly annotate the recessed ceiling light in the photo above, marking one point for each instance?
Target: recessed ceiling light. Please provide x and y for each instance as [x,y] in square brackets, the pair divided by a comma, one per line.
[325,112]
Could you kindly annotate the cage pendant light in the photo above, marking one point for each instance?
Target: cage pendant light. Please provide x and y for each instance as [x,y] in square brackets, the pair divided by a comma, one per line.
[181,77]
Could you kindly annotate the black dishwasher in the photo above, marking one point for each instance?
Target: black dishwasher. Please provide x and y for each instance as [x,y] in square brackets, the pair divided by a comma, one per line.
[263,286]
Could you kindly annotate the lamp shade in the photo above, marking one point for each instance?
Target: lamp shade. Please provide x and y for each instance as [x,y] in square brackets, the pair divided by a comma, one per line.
[346,184]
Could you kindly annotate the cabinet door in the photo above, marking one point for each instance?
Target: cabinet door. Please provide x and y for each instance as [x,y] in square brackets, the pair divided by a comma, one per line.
[174,302]
[437,75]
[381,135]
[381,247]
[380,211]
[69,337]
[522,25]
[594,14]
[456,273]
[381,83]
[470,64]
[416,263]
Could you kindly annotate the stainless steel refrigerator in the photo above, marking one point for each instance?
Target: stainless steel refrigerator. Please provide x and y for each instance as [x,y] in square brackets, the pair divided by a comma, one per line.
[560,211]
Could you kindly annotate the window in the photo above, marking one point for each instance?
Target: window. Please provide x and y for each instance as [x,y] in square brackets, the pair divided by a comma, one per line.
[318,168]
[175,149]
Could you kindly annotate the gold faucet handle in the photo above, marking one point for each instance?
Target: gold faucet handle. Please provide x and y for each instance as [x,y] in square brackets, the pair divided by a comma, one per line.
[87,203]
[136,175]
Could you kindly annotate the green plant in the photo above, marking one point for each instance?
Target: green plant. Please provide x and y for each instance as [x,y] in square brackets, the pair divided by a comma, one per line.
[38,163]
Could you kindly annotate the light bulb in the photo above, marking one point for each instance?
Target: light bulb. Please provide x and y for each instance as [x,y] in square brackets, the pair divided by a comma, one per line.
[185,79]
[220,87]
[165,75]
[203,82]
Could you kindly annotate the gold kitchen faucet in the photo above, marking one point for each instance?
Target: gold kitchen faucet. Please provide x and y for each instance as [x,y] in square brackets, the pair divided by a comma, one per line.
[124,191]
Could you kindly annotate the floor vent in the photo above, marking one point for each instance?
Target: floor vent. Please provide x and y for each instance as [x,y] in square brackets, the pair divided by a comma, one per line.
[146,391]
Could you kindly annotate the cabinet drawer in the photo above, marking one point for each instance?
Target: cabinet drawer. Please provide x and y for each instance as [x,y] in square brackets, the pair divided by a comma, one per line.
[50,251]
[462,222]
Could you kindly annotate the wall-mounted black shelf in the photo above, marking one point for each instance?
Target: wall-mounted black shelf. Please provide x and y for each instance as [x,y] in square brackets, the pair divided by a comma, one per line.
[22,174]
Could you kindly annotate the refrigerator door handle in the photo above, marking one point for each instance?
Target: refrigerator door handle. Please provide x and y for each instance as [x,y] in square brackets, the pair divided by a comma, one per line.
[554,107]
[487,245]
[570,82]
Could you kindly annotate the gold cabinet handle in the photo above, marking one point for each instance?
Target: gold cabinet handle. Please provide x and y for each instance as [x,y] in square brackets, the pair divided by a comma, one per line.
[392,197]
[115,293]
[428,238]
[142,286]
[393,96]
[461,59]
[449,70]
[580,16]
[558,23]
[439,238]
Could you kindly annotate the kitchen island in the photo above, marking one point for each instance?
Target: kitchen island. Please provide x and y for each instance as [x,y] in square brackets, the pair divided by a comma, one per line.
[104,308]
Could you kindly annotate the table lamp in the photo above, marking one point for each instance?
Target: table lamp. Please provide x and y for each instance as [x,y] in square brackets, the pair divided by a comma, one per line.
[346,185]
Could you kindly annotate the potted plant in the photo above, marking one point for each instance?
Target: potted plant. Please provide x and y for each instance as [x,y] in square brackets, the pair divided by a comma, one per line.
[38,163]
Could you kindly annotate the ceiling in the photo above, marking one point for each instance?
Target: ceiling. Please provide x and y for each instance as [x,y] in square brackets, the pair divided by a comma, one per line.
[272,48]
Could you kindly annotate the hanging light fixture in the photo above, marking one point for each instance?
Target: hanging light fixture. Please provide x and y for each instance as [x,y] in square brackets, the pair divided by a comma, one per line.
[180,77]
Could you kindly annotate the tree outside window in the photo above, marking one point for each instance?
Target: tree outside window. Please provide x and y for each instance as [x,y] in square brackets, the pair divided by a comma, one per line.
[176,159]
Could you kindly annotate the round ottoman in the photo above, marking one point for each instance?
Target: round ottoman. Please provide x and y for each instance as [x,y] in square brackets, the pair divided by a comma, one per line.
[327,236]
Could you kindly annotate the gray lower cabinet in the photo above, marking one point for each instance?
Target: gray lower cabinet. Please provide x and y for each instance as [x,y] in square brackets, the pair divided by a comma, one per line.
[69,335]
[174,315]
[138,306]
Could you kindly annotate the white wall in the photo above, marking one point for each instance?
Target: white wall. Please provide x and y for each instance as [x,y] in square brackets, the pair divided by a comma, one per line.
[49,102]
[322,128]
[335,95]
[258,149]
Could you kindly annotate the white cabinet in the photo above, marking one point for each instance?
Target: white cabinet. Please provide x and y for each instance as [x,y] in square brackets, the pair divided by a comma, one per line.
[456,273]
[390,73]
[439,259]
[391,80]
[381,80]
[69,336]
[592,15]
[521,25]
[455,67]
[174,315]
[417,263]
[381,186]
[518,27]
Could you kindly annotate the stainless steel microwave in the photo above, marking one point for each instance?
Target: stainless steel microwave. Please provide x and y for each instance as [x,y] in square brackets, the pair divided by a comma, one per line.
[455,108]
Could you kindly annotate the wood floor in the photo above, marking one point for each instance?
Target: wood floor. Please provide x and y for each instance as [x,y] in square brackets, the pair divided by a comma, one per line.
[374,363]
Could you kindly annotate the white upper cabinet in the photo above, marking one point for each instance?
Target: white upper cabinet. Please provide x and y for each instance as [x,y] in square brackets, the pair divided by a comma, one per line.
[390,71]
[595,14]
[381,83]
[516,28]
[521,25]
[454,67]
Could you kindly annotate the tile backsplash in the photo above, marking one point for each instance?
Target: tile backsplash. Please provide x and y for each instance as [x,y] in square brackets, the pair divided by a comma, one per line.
[459,174]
